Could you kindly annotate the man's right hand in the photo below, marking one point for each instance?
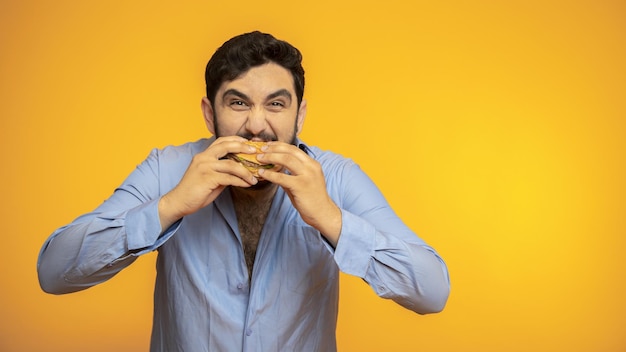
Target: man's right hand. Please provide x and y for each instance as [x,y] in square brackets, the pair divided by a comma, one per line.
[205,178]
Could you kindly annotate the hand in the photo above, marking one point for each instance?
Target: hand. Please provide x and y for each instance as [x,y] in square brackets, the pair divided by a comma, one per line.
[206,177]
[305,185]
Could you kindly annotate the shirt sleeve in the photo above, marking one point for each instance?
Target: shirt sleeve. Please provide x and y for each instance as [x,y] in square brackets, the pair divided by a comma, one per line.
[378,247]
[96,246]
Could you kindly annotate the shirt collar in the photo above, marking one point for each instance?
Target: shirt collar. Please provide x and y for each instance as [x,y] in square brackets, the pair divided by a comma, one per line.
[305,148]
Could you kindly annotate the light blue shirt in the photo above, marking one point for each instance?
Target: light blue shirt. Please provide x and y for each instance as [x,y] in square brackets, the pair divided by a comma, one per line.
[203,300]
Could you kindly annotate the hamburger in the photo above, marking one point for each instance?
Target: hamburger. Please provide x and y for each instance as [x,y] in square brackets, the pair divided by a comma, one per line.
[249,161]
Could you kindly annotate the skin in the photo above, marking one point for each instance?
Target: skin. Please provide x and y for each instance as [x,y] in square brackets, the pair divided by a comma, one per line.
[261,104]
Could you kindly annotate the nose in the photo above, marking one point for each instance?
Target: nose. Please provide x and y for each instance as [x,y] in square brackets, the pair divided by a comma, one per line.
[257,122]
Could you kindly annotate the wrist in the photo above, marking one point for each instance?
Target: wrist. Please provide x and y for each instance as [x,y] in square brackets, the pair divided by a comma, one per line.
[330,227]
[168,213]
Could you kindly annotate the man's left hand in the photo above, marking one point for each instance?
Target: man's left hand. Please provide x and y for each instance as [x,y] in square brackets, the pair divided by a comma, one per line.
[305,185]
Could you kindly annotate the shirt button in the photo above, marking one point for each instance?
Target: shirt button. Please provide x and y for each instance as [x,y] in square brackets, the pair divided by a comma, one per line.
[240,286]
[248,332]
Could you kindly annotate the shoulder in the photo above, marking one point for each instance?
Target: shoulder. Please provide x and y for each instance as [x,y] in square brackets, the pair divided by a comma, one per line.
[324,156]
[181,153]
[173,158]
[167,164]
[336,166]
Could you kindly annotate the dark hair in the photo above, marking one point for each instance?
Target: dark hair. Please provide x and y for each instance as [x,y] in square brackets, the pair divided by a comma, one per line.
[243,52]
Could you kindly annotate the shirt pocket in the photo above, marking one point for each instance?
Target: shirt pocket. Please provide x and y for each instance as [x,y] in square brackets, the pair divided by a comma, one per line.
[308,265]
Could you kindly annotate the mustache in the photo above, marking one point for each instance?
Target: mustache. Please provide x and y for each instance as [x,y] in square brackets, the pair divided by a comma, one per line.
[266,137]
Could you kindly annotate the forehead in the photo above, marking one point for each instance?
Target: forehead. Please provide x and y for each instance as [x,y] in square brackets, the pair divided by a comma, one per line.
[261,81]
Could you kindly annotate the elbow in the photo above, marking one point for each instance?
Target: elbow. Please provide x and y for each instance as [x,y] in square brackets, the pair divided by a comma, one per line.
[438,296]
[432,298]
[49,285]
[51,288]
[57,285]
[52,269]
[53,281]
[49,281]
[434,292]
[435,303]
[424,301]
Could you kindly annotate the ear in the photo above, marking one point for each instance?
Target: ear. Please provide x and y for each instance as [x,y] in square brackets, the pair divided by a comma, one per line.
[209,115]
[300,117]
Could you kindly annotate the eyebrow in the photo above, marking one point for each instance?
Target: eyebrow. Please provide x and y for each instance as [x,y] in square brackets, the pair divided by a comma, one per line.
[235,92]
[279,93]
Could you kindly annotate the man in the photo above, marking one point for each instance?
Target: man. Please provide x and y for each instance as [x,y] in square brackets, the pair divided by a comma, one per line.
[248,263]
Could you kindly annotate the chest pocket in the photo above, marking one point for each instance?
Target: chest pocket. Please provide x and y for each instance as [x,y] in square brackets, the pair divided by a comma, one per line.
[307,265]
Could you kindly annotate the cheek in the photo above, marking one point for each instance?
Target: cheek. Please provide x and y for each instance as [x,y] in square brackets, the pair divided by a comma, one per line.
[228,124]
[284,129]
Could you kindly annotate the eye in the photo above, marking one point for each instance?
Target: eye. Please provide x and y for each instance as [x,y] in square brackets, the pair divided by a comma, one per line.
[238,105]
[276,105]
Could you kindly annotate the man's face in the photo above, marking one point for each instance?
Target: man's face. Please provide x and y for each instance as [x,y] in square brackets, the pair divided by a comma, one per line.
[261,104]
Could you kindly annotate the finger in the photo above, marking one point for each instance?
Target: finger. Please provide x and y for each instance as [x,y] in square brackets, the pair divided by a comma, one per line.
[281,147]
[274,176]
[236,181]
[225,145]
[233,168]
[293,159]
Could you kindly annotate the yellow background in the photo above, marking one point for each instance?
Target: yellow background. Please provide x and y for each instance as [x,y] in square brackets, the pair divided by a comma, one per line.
[511,113]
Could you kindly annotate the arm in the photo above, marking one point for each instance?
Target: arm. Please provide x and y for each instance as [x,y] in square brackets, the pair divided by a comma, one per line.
[377,246]
[334,196]
[141,215]
[97,245]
